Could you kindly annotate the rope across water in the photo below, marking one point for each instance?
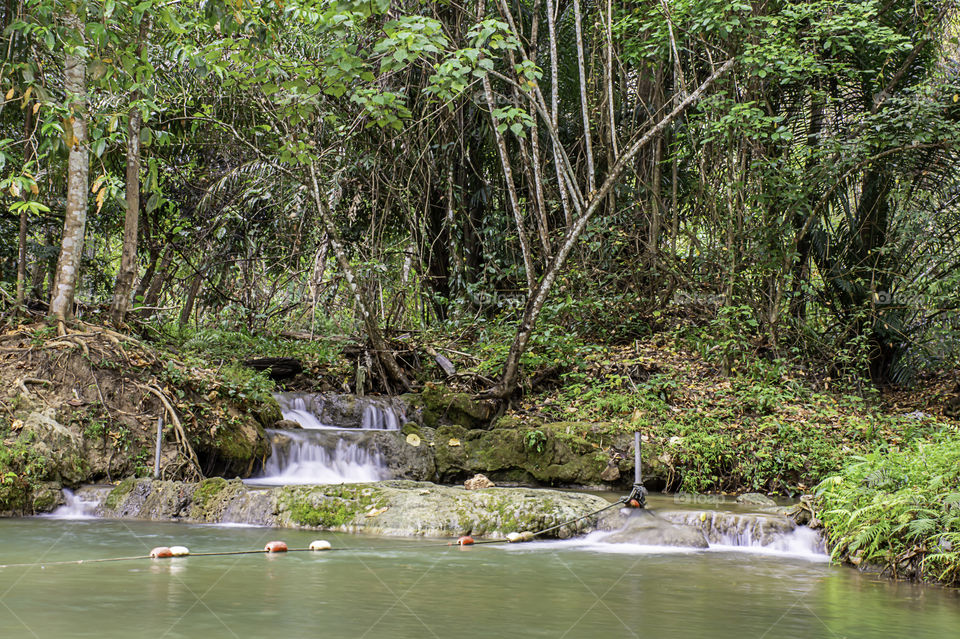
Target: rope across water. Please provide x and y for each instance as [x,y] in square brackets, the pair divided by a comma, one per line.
[267,551]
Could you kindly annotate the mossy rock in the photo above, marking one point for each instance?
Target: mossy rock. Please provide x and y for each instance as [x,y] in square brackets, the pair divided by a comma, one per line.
[119,493]
[235,449]
[442,406]
[207,490]
[268,412]
[529,455]
[327,507]
[46,498]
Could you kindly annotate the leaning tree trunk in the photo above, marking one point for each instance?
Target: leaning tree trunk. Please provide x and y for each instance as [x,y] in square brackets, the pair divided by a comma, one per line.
[384,353]
[511,367]
[78,169]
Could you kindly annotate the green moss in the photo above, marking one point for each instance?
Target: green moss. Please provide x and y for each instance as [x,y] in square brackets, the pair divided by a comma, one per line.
[45,499]
[268,412]
[207,490]
[328,506]
[440,404]
[117,494]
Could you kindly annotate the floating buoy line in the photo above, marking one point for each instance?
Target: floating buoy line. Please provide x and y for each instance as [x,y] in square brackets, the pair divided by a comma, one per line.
[319,545]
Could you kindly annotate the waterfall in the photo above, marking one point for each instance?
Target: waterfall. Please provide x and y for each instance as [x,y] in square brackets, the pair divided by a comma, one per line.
[329,448]
[80,505]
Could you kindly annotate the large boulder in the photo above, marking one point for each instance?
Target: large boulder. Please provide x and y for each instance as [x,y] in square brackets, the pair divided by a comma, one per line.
[438,405]
[544,456]
[396,508]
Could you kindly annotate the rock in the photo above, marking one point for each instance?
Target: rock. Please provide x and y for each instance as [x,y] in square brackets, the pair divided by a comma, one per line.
[546,455]
[62,447]
[756,499]
[721,527]
[438,405]
[478,482]
[645,528]
[235,449]
[397,508]
[287,424]
[611,473]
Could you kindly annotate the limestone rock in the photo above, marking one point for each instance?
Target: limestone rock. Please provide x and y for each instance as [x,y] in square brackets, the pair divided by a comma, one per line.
[403,508]
[756,499]
[611,473]
[477,482]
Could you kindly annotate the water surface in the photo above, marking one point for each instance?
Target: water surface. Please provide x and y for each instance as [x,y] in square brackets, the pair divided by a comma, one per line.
[411,588]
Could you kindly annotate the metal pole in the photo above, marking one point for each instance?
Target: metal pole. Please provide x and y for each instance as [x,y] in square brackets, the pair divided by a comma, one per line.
[636,457]
[156,457]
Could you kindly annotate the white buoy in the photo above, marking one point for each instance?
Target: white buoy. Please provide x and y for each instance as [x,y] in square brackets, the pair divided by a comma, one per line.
[179,551]
[526,535]
[514,537]
[320,544]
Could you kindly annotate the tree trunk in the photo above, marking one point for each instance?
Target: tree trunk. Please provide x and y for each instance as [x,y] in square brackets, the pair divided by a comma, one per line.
[511,367]
[584,107]
[29,153]
[152,294]
[191,299]
[380,346]
[78,168]
[554,107]
[128,259]
[511,189]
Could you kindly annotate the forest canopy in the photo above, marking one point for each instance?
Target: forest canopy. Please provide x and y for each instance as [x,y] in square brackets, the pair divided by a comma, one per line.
[784,170]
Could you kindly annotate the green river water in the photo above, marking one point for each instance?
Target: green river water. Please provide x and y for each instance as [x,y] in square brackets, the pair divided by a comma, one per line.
[404,588]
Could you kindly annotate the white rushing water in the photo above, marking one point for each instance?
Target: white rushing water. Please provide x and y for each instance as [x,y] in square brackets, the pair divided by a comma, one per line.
[325,453]
[309,458]
[81,505]
[753,533]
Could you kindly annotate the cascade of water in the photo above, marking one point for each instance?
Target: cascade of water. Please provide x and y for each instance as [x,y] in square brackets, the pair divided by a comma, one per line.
[326,449]
[305,457]
[80,505]
[759,533]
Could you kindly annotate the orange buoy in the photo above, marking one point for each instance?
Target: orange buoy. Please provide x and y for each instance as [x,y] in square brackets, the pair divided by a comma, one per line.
[161,552]
[276,546]
[466,540]
[633,503]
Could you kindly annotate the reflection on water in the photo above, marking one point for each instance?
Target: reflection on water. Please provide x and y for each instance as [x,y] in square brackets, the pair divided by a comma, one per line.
[402,588]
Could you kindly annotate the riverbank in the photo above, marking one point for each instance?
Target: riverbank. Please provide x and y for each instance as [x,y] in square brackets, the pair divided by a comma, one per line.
[83,408]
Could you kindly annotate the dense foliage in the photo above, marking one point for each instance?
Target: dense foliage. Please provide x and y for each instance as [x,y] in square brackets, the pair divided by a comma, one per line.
[899,509]
[455,147]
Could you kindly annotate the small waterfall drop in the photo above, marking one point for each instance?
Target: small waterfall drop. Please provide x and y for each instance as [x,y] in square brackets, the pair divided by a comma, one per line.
[80,505]
[655,531]
[329,447]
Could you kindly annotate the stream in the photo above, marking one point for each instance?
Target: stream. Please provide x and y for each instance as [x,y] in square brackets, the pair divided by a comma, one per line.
[378,587]
[758,576]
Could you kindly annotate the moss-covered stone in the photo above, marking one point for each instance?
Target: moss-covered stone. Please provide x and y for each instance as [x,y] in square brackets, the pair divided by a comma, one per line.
[207,490]
[235,448]
[119,493]
[440,405]
[561,454]
[268,412]
[326,506]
